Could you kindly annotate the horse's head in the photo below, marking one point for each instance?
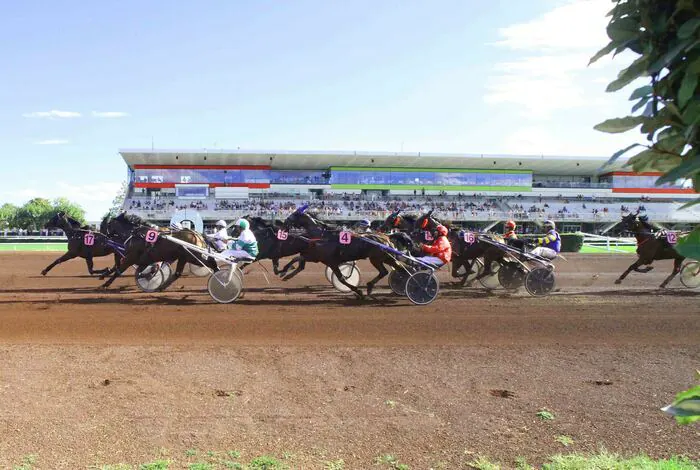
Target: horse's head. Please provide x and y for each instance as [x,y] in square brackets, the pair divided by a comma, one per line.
[631,221]
[300,218]
[393,221]
[427,222]
[57,221]
[123,225]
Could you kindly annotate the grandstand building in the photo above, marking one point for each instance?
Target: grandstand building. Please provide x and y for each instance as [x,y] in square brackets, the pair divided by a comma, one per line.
[472,190]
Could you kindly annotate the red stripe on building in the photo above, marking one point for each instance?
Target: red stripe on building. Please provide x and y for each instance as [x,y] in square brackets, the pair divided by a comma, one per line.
[632,173]
[211,185]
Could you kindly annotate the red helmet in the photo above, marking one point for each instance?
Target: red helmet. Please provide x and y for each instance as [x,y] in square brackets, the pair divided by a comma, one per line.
[510,225]
[441,229]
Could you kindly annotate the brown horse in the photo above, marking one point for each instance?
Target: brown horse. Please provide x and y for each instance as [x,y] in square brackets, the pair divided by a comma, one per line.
[651,246]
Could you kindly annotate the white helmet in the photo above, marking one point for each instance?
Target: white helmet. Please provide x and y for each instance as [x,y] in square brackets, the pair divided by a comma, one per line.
[221,223]
[175,226]
[549,223]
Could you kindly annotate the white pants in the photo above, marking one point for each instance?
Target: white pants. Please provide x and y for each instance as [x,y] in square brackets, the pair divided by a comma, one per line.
[236,254]
[431,260]
[544,252]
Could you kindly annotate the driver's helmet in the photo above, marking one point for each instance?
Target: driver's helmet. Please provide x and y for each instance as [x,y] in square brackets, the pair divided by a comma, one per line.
[510,225]
[220,223]
[441,229]
[175,226]
[243,224]
[549,224]
[364,223]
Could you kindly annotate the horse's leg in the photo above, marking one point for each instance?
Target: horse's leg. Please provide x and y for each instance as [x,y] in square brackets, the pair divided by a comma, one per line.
[181,263]
[300,268]
[336,270]
[127,261]
[379,264]
[276,266]
[676,269]
[633,267]
[67,256]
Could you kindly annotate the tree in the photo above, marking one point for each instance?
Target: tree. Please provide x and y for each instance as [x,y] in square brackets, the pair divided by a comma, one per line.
[34,214]
[118,200]
[8,212]
[665,37]
[71,209]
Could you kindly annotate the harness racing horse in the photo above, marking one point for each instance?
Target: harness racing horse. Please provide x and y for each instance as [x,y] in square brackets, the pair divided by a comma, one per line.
[272,248]
[142,250]
[82,242]
[464,253]
[323,246]
[650,247]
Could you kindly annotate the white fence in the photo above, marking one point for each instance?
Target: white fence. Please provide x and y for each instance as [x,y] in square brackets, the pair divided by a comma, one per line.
[610,244]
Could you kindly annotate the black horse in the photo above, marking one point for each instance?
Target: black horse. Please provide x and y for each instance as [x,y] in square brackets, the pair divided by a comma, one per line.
[144,246]
[271,247]
[82,242]
[651,246]
[323,246]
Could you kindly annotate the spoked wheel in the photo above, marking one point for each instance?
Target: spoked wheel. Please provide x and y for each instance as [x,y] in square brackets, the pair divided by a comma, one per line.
[152,277]
[225,286]
[345,270]
[167,270]
[199,270]
[397,281]
[511,275]
[477,268]
[540,281]
[491,281]
[422,287]
[351,274]
[690,274]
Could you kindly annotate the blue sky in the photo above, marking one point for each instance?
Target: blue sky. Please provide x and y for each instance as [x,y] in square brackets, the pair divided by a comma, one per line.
[83,79]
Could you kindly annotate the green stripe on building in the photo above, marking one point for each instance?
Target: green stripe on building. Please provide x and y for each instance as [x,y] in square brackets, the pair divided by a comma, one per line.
[418,170]
[429,187]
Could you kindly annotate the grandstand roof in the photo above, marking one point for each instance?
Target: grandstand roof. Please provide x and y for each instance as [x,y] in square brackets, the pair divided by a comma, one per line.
[322,160]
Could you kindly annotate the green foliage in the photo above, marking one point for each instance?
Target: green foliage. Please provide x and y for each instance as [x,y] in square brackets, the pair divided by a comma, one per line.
[566,441]
[265,462]
[545,415]
[482,463]
[118,200]
[71,209]
[689,246]
[200,466]
[391,461]
[156,465]
[334,465]
[665,36]
[609,461]
[686,406]
[8,212]
[28,462]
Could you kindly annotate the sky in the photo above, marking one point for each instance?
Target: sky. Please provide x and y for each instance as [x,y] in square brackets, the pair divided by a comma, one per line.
[82,80]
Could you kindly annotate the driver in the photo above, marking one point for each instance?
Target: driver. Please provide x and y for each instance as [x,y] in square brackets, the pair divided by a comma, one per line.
[550,244]
[363,226]
[441,250]
[246,245]
[509,231]
[220,238]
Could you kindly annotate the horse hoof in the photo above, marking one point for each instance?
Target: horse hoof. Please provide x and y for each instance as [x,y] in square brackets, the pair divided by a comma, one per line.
[618,281]
[43,273]
[370,288]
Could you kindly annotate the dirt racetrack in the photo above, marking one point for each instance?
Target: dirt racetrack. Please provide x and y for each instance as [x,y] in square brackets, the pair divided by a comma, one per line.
[309,375]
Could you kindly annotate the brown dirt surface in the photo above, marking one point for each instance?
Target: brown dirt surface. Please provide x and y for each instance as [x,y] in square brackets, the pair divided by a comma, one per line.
[310,375]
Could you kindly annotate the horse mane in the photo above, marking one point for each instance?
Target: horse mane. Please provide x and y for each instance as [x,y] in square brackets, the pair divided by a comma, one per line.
[378,237]
[132,219]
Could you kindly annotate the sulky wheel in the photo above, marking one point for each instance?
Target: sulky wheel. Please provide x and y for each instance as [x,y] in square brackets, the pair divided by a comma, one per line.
[351,274]
[345,270]
[690,274]
[422,287]
[491,281]
[167,270]
[397,281]
[151,278]
[199,270]
[477,268]
[511,275]
[225,286]
[540,281]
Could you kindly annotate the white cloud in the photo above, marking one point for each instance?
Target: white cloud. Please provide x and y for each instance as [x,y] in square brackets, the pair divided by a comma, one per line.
[551,74]
[109,114]
[53,114]
[52,142]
